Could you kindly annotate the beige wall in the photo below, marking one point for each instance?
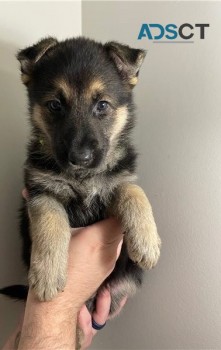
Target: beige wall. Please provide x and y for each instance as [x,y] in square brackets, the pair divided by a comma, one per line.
[21,24]
[179,138]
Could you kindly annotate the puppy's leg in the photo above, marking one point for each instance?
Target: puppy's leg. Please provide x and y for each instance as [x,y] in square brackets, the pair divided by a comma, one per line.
[132,207]
[50,235]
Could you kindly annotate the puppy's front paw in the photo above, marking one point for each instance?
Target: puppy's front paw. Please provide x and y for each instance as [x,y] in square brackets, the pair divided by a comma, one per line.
[143,245]
[132,208]
[47,277]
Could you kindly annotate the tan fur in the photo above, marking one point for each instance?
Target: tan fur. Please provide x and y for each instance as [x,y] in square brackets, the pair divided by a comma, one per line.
[133,81]
[67,90]
[50,240]
[25,78]
[50,181]
[95,87]
[132,207]
[140,58]
[120,121]
[66,188]
[114,153]
[38,120]
[38,117]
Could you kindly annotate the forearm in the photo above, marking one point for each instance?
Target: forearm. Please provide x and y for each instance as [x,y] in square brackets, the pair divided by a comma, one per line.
[49,325]
[52,325]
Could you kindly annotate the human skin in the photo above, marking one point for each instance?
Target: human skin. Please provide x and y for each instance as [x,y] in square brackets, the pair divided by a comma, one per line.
[93,253]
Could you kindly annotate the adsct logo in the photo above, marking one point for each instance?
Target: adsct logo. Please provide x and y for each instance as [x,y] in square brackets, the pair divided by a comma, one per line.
[171,33]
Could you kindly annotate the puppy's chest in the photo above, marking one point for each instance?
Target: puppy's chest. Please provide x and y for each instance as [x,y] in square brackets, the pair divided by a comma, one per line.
[82,213]
[89,203]
[86,202]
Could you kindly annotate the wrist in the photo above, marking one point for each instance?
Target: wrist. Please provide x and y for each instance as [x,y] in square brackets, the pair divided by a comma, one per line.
[49,324]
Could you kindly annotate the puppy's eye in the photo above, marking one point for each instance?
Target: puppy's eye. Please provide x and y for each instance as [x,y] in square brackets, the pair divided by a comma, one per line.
[102,106]
[54,106]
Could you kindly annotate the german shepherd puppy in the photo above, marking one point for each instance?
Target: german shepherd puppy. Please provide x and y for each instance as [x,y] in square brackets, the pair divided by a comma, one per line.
[81,163]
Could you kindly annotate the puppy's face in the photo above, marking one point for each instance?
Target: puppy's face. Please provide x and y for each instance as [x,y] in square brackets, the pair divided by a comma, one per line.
[80,96]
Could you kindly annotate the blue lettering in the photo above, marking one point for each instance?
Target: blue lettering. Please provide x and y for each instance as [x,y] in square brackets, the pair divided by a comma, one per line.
[160,27]
[145,32]
[172,31]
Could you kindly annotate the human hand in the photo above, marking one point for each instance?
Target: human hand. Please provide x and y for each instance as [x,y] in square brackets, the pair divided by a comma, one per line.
[93,253]
[100,315]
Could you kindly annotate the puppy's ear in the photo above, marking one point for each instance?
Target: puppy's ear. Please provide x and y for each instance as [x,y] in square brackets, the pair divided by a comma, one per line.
[29,56]
[127,60]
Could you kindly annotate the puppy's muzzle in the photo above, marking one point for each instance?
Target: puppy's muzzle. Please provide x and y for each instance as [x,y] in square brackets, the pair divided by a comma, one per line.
[83,156]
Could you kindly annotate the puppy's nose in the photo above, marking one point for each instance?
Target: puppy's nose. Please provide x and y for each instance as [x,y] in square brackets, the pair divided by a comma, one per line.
[85,155]
[82,156]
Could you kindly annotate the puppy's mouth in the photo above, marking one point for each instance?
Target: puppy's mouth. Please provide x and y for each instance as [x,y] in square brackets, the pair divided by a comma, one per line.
[83,164]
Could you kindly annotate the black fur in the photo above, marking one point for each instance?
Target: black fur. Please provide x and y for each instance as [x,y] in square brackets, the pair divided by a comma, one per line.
[17,292]
[77,127]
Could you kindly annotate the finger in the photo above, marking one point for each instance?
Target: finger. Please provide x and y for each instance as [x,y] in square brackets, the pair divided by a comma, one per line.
[103,303]
[84,322]
[84,319]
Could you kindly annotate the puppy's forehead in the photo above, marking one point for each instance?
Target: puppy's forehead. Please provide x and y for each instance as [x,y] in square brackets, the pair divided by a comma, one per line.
[62,85]
[72,89]
[95,87]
